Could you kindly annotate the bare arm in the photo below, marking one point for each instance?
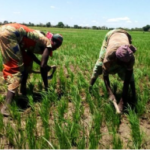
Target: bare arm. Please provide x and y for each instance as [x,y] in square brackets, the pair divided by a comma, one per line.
[35,59]
[43,66]
[126,85]
[132,85]
[107,84]
[97,70]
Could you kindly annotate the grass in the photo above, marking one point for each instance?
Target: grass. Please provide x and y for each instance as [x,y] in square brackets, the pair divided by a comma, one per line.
[67,116]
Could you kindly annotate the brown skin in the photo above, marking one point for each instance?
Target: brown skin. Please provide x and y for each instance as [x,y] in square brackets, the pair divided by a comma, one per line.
[123,100]
[43,66]
[8,100]
[44,70]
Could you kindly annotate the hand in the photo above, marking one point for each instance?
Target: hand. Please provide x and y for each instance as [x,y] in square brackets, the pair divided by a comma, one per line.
[50,77]
[48,68]
[54,69]
[113,100]
[121,105]
[112,97]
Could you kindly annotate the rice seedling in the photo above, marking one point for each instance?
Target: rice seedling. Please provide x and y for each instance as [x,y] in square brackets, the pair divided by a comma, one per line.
[93,140]
[117,142]
[44,113]
[71,117]
[136,133]
[62,107]
[10,134]
[82,142]
[113,122]
[64,142]
[30,131]
[1,124]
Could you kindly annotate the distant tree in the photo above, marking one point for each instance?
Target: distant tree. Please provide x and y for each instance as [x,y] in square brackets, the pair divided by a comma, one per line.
[104,28]
[24,23]
[76,26]
[60,25]
[41,25]
[67,26]
[5,22]
[110,28]
[146,28]
[85,27]
[48,24]
[30,24]
[94,27]
[99,28]
[136,29]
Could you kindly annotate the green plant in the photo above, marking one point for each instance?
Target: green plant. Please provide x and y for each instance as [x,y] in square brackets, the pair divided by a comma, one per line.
[135,129]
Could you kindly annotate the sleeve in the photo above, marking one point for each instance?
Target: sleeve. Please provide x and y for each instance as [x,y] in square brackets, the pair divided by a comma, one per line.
[97,70]
[39,38]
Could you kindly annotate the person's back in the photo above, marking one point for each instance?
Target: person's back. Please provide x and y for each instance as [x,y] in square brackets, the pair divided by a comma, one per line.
[17,44]
[116,40]
[116,56]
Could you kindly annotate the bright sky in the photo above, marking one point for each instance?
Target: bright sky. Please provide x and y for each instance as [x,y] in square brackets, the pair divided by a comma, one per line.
[110,13]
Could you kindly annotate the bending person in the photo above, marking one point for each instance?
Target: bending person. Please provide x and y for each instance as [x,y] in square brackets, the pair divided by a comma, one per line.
[18,43]
[116,56]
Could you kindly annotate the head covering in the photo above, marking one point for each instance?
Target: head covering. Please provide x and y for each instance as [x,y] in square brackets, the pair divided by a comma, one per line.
[58,37]
[125,53]
[49,36]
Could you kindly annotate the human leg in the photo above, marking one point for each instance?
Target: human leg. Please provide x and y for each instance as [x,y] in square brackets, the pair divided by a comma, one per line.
[12,62]
[9,97]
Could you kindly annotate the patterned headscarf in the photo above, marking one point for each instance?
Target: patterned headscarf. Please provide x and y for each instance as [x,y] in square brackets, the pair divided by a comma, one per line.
[125,52]
[58,37]
[49,36]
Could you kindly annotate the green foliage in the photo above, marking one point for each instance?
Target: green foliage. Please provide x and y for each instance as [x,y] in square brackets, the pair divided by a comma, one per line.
[30,130]
[67,115]
[60,24]
[1,62]
[135,129]
[146,28]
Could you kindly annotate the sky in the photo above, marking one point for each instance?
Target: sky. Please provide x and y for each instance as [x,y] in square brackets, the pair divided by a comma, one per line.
[109,13]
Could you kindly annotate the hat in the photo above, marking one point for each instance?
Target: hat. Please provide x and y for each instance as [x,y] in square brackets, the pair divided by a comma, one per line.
[125,52]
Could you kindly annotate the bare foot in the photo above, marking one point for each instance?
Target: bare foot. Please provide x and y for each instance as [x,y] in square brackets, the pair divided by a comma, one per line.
[121,105]
[5,111]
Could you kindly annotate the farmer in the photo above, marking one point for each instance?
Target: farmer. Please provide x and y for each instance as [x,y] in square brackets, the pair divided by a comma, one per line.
[116,56]
[18,44]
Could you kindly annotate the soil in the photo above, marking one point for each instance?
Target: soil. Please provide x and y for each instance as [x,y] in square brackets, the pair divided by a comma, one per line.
[105,141]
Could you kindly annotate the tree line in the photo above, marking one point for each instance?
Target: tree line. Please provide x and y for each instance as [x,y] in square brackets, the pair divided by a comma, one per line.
[62,25]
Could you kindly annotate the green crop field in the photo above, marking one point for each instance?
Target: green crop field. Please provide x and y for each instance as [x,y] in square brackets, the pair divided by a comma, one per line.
[67,116]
